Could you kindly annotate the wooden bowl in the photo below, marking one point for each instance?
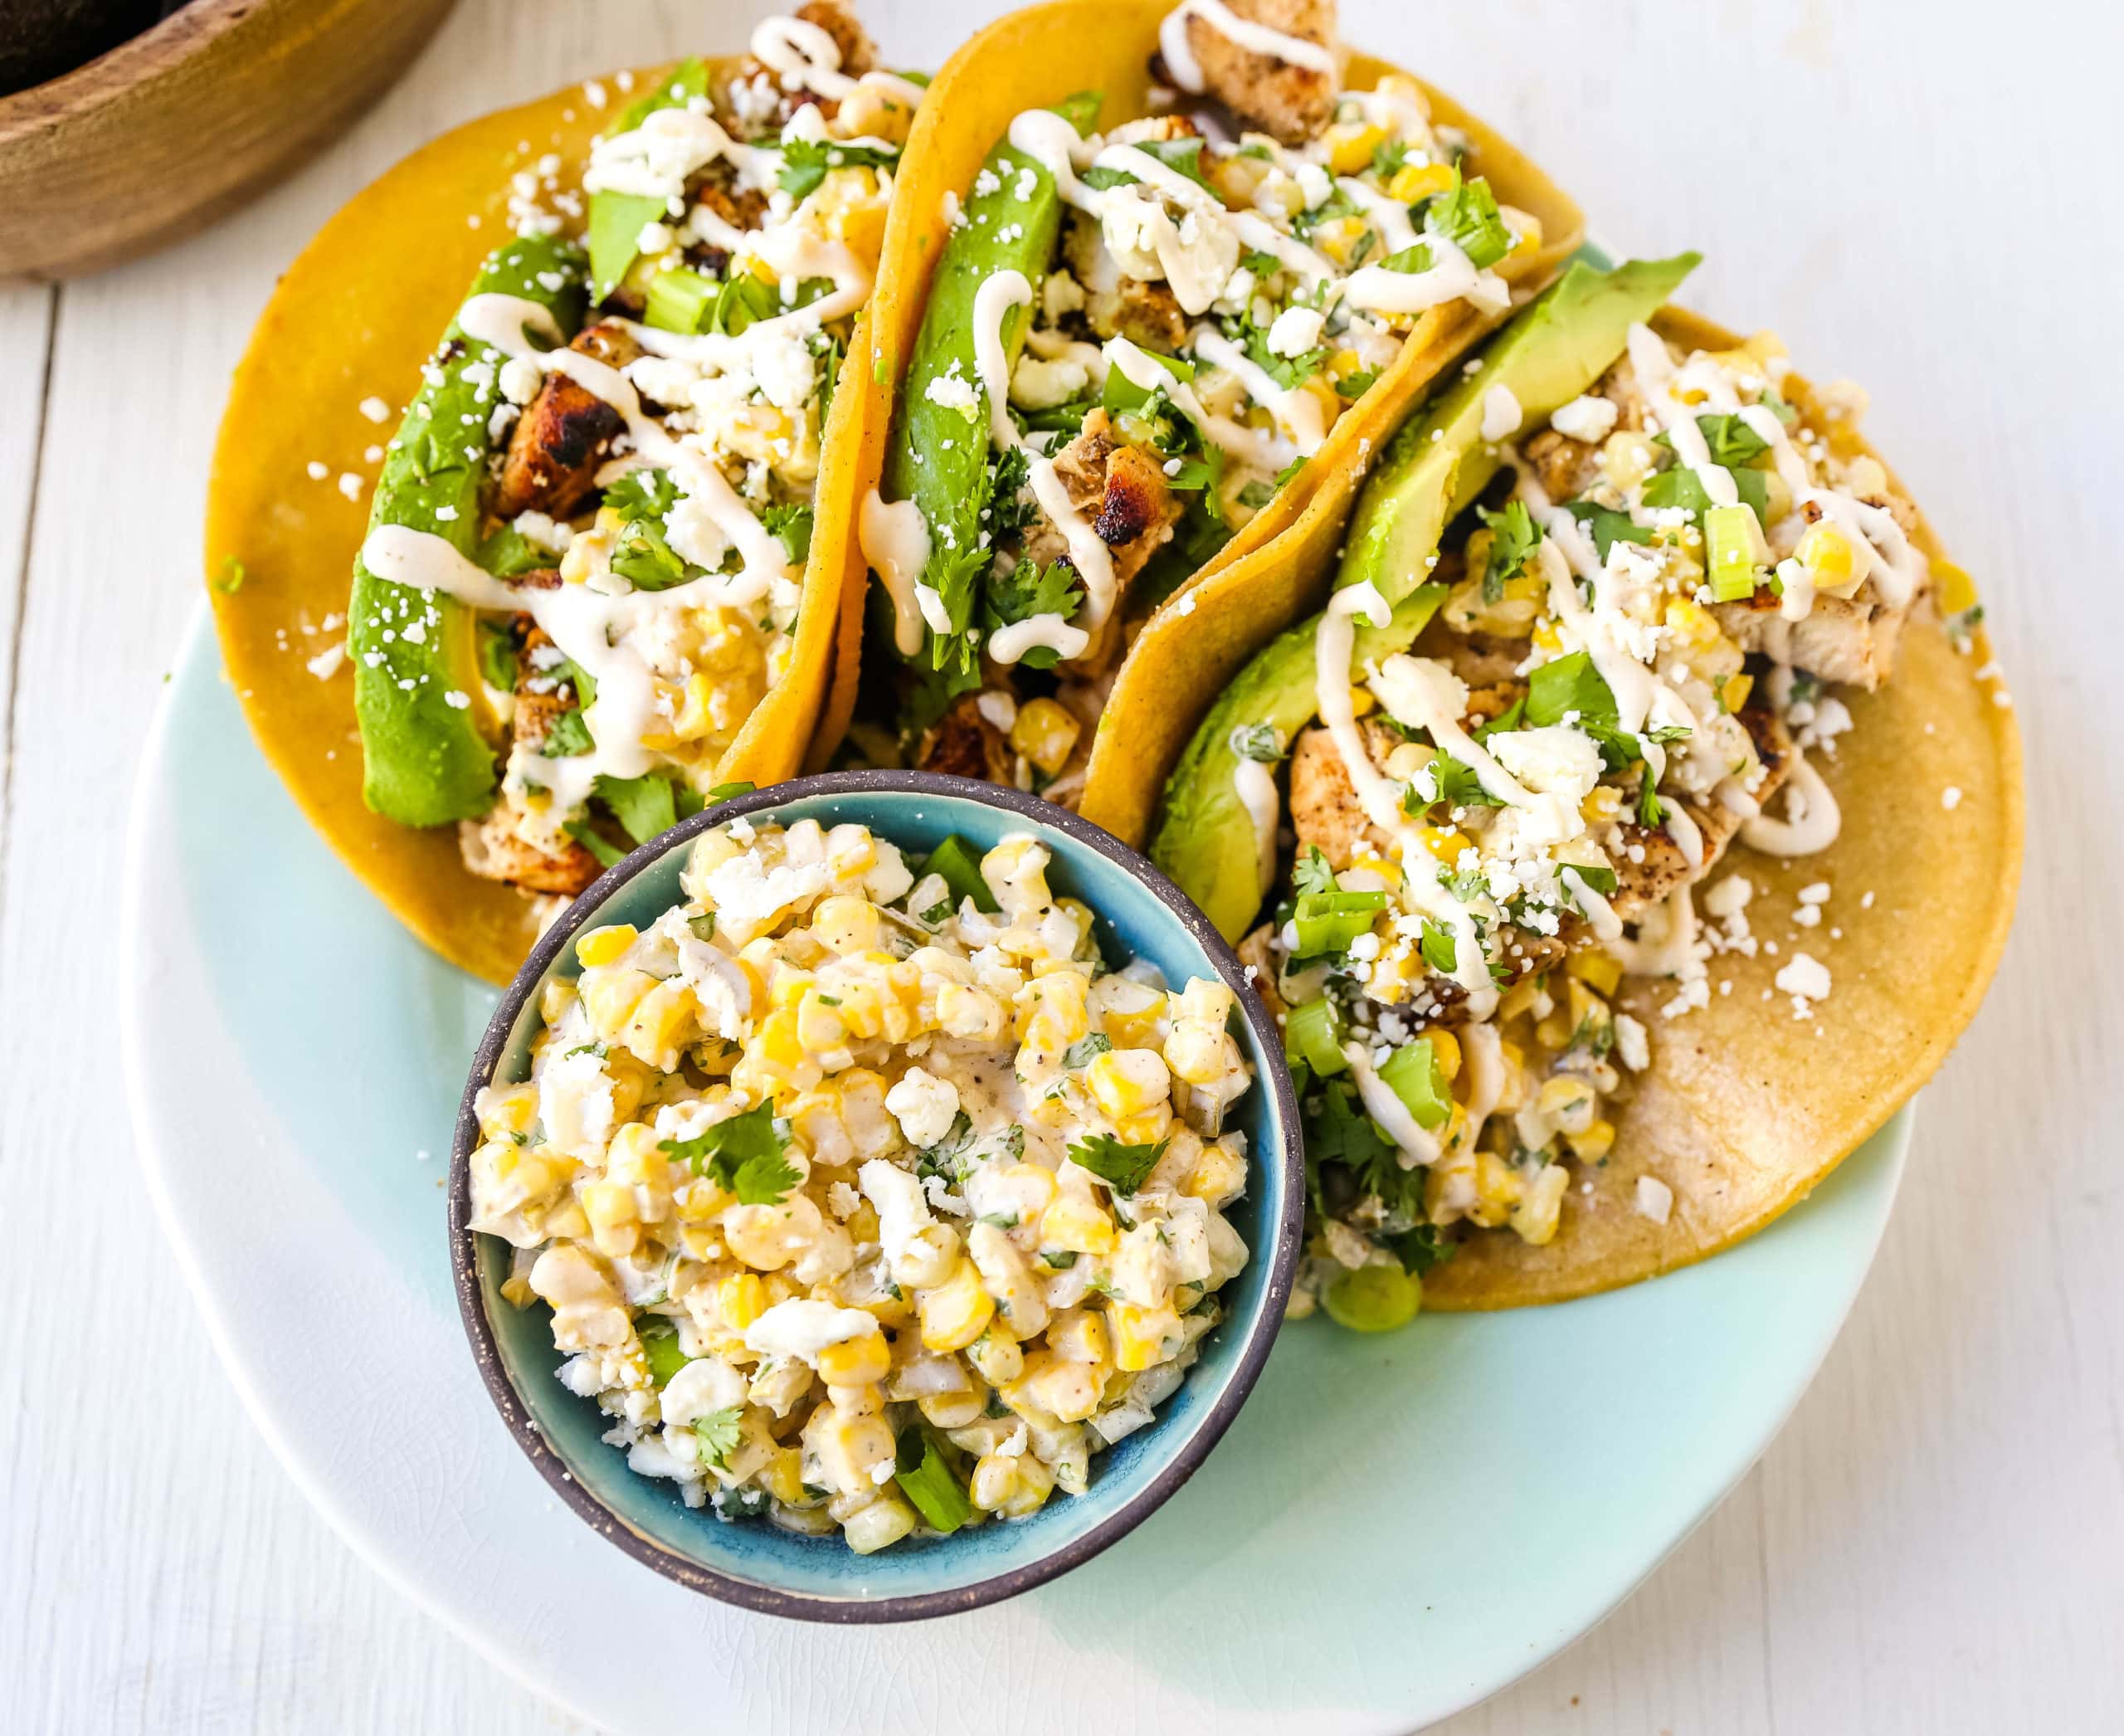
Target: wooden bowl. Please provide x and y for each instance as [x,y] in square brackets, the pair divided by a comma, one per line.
[166,132]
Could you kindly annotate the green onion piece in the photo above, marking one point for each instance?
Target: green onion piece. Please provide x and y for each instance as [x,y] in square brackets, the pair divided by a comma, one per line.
[660,1348]
[927,1481]
[1733,545]
[679,300]
[958,863]
[1373,1298]
[1413,1073]
[1327,922]
[1313,1037]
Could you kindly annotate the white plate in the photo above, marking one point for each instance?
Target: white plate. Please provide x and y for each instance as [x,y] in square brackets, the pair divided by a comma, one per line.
[1394,1528]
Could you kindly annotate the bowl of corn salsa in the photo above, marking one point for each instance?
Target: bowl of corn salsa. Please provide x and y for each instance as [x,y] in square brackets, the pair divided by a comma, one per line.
[874,1196]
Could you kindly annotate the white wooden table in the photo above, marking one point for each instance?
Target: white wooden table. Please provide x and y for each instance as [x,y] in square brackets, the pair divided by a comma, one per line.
[1923,197]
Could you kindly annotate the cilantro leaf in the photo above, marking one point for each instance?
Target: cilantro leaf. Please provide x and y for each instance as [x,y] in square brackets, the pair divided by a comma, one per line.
[743,1155]
[1440,948]
[804,161]
[1651,811]
[1513,538]
[1029,589]
[1419,1249]
[1732,441]
[716,1435]
[642,494]
[567,736]
[1607,527]
[792,522]
[1078,1054]
[1263,743]
[1567,685]
[1124,1169]
[645,806]
[1311,873]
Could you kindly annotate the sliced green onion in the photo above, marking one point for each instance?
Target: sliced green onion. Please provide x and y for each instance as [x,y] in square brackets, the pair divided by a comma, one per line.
[659,1349]
[1327,922]
[1313,1037]
[958,864]
[1373,1298]
[679,300]
[1413,1073]
[927,1481]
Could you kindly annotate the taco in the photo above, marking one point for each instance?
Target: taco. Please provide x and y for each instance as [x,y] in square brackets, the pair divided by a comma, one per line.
[1632,833]
[1187,259]
[586,598]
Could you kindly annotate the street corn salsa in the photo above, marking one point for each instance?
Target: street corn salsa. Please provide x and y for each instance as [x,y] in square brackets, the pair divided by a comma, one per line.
[864,1196]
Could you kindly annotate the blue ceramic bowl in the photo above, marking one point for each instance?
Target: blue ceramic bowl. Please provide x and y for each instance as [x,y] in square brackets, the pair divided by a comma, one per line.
[1142,914]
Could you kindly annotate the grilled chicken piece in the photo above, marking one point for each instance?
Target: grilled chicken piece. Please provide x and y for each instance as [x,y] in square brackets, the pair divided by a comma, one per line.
[565,434]
[495,850]
[1145,312]
[1848,640]
[1291,103]
[1325,812]
[1124,491]
[765,106]
[966,744]
[1642,884]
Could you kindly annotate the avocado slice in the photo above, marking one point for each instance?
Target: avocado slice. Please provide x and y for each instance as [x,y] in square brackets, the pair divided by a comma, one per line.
[939,454]
[1433,469]
[426,761]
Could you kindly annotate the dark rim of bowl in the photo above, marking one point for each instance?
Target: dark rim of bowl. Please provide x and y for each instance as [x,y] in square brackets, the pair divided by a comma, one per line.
[770,1600]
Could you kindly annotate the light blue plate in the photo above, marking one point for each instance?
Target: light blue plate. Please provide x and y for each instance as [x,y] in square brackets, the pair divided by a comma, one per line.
[1394,1527]
[1140,917]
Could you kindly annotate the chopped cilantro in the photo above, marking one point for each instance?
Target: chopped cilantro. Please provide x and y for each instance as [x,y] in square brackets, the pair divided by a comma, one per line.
[1078,1054]
[1513,538]
[567,736]
[644,806]
[792,522]
[804,161]
[1263,743]
[716,1435]
[743,1155]
[1651,811]
[1311,873]
[1123,1167]
[1607,527]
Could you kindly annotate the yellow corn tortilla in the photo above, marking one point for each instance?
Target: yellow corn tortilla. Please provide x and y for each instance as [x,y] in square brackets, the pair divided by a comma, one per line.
[1744,1108]
[1037,57]
[355,318]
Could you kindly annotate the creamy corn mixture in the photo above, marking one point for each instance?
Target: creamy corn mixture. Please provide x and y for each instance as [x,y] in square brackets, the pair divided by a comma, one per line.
[864,1196]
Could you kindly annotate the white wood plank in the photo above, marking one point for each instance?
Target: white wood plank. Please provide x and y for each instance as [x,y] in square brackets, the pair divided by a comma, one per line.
[1930,205]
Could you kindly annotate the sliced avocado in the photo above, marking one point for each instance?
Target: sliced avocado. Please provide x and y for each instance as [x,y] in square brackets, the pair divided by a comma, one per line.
[1206,839]
[1437,464]
[1434,469]
[939,454]
[426,761]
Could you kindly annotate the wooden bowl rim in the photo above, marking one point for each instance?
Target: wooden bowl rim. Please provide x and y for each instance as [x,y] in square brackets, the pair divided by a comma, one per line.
[121,71]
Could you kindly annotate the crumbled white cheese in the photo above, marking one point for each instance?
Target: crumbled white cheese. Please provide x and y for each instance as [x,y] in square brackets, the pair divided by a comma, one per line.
[1655,1199]
[1589,419]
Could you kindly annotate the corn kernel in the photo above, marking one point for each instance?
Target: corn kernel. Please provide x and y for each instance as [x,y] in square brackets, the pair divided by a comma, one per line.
[740,1299]
[1596,969]
[1827,553]
[1445,1048]
[1045,733]
[1140,1335]
[995,1481]
[782,1477]
[1414,181]
[605,945]
[1956,589]
[858,1362]
[1074,1224]
[610,995]
[505,1110]
[845,925]
[1594,1144]
[1219,1176]
[1445,842]
[1126,1082]
[957,1311]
